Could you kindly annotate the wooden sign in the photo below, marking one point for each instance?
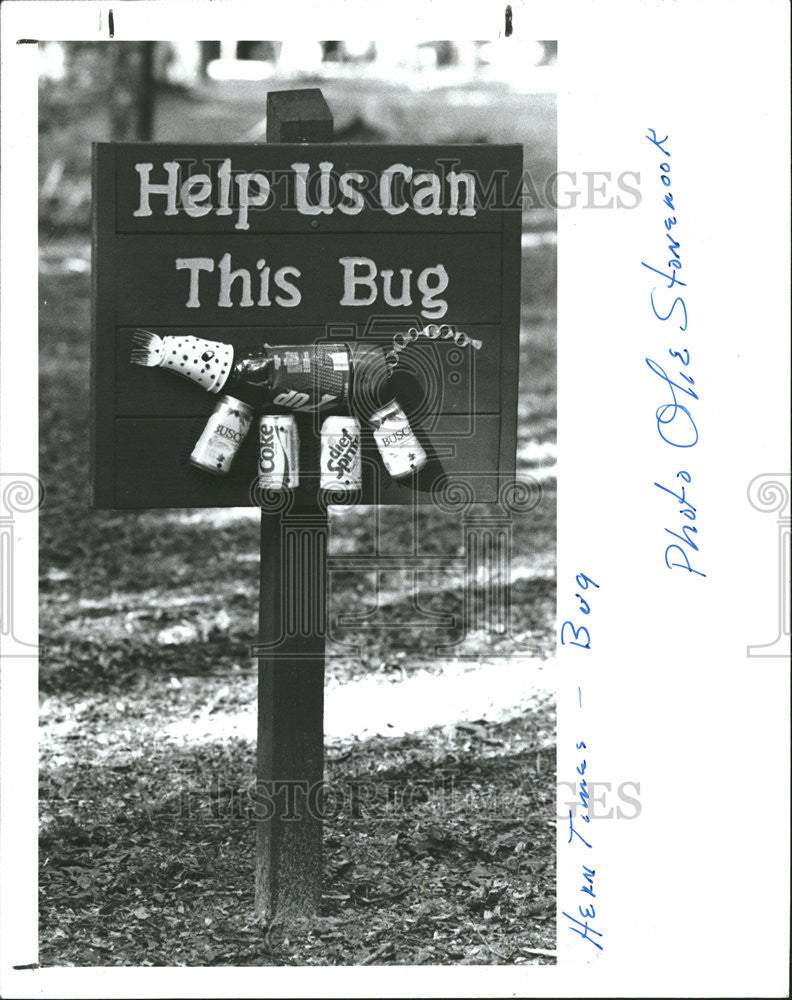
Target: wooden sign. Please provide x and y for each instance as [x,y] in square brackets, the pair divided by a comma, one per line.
[297,244]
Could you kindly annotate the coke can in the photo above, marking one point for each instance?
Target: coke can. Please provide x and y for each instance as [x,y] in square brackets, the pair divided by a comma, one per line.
[279,453]
[342,468]
[399,448]
[225,431]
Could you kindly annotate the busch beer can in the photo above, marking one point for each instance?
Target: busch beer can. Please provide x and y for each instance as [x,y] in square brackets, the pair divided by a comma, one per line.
[342,467]
[224,433]
[279,453]
[399,448]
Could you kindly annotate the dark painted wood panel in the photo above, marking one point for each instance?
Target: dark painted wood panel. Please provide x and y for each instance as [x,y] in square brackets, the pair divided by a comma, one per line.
[467,422]
[153,290]
[511,267]
[497,172]
[102,374]
[161,447]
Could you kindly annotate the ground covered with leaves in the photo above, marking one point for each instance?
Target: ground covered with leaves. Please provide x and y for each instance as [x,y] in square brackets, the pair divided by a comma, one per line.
[439,837]
[439,847]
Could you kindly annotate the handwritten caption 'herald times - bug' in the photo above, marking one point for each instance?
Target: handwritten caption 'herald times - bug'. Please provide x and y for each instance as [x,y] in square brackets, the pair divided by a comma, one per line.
[584,922]
[397,189]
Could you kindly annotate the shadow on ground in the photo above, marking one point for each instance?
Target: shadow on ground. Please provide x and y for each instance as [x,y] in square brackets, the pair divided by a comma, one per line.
[439,848]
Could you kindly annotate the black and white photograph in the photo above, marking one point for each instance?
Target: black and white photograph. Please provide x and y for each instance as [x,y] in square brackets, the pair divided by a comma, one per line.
[371,326]
[394,499]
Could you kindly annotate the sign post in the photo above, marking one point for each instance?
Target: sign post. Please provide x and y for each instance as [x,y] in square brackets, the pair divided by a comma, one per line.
[407,251]
[292,629]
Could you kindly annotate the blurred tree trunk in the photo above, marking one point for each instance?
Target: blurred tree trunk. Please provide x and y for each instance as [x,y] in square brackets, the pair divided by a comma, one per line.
[147,92]
[132,91]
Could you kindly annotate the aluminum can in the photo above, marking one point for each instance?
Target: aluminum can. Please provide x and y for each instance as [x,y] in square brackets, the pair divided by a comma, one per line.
[225,431]
[341,464]
[399,448]
[279,452]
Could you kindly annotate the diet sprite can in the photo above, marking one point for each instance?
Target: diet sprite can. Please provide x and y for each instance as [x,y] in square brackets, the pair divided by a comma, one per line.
[342,468]
[399,448]
[279,453]
[224,433]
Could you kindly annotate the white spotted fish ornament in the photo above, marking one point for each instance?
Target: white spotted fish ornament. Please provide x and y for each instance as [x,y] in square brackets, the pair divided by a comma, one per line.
[205,362]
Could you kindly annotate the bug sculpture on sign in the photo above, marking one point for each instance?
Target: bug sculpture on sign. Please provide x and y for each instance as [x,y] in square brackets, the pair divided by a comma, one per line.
[301,378]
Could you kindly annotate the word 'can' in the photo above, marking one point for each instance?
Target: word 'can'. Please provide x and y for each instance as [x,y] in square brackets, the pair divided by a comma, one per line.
[279,453]
[342,468]
[399,448]
[225,431]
